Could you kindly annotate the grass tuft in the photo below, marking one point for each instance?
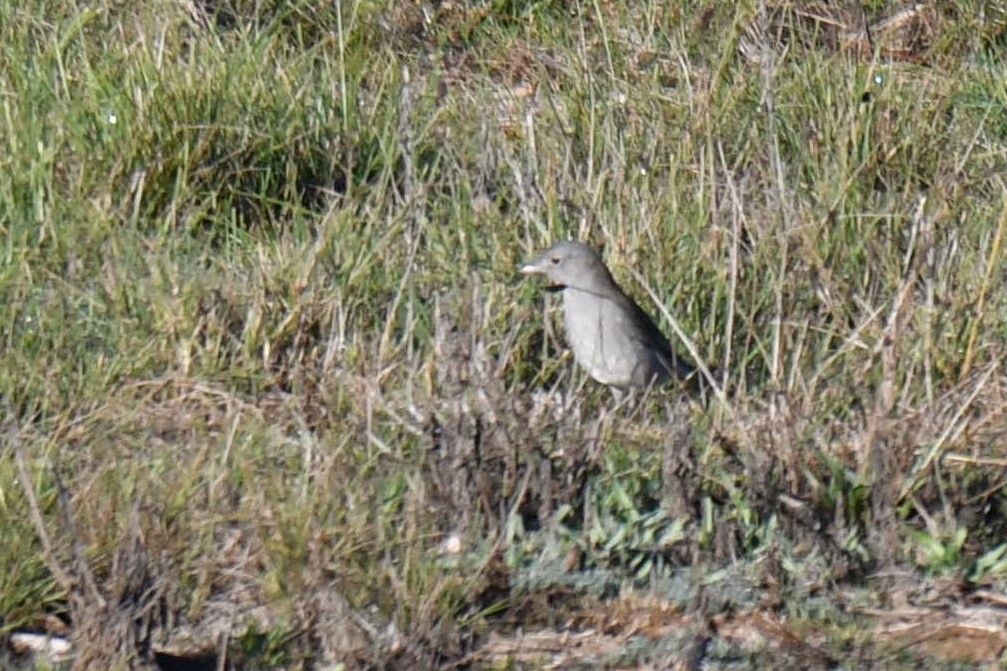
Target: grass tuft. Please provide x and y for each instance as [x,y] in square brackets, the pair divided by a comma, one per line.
[275,394]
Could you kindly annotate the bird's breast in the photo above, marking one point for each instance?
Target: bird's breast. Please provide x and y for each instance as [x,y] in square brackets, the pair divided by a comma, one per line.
[600,335]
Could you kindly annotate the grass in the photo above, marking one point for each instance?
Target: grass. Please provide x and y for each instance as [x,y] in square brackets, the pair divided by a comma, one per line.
[272,377]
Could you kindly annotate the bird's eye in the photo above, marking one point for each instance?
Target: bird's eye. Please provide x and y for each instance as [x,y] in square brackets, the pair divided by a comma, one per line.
[555,260]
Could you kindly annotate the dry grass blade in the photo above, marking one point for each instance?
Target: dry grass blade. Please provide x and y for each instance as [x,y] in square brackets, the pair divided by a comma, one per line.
[992,265]
[15,441]
[914,478]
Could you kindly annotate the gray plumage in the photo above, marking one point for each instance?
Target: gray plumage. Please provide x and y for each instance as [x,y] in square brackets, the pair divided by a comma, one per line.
[612,338]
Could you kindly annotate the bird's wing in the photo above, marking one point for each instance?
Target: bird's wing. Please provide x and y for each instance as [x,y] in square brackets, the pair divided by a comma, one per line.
[646,332]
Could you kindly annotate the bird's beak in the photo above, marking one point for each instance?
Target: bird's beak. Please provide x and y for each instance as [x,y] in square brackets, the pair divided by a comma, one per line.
[537,269]
[529,269]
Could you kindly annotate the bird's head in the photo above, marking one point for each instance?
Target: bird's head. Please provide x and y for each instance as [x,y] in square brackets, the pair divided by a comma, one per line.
[571,265]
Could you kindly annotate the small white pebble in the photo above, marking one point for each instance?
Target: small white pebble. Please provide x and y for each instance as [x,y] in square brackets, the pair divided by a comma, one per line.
[452,545]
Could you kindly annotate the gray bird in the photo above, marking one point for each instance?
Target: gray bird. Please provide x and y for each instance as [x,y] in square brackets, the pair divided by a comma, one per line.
[612,338]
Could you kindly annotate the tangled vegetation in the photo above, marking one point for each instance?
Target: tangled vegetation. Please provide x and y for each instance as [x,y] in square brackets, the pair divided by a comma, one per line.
[274,396]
